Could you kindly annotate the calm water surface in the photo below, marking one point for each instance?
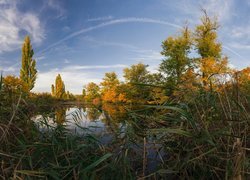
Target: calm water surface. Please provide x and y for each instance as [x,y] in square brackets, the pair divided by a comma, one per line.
[109,125]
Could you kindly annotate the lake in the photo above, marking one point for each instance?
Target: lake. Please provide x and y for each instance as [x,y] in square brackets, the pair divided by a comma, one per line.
[110,124]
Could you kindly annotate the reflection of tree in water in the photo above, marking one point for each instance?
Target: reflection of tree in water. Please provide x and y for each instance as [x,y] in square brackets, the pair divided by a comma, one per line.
[93,113]
[115,112]
[60,115]
[113,115]
[83,108]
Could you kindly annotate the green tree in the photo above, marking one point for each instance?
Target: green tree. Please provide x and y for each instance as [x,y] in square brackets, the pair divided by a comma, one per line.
[135,76]
[176,62]
[92,92]
[28,72]
[136,73]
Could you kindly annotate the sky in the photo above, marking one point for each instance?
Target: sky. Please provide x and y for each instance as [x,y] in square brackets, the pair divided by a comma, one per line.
[83,39]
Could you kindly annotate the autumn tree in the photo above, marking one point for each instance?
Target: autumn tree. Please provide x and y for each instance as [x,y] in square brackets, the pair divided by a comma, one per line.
[135,77]
[60,115]
[242,80]
[92,92]
[28,72]
[109,87]
[52,90]
[58,88]
[210,61]
[158,93]
[13,85]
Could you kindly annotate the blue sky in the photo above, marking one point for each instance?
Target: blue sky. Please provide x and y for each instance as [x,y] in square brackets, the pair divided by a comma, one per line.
[83,39]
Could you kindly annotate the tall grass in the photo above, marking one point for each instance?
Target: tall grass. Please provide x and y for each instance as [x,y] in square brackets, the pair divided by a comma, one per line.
[204,138]
[207,138]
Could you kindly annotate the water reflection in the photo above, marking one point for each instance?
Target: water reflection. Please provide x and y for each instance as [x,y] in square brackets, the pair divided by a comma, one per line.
[93,114]
[110,124]
[100,121]
[60,115]
[117,113]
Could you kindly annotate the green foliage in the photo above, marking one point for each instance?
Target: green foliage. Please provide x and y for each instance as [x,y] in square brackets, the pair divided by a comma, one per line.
[176,51]
[206,38]
[92,92]
[136,73]
[204,136]
[134,76]
[28,72]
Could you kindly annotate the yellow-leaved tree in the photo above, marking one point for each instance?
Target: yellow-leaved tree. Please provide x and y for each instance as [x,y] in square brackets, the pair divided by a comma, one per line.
[211,62]
[28,72]
[109,87]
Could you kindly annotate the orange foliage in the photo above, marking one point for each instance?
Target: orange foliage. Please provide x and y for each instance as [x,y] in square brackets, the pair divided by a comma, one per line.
[13,84]
[97,101]
[110,95]
[211,66]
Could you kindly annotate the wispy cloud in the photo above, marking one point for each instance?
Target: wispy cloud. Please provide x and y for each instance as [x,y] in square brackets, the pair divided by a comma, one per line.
[109,23]
[8,70]
[104,18]
[14,22]
[108,43]
[66,61]
[221,9]
[57,6]
[234,52]
[77,67]
[240,32]
[38,58]
[148,55]
[240,46]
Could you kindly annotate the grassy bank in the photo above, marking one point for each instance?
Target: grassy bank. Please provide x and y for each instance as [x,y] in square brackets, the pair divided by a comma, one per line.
[204,137]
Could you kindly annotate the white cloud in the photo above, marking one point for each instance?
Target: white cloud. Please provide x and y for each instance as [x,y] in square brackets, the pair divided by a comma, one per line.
[9,70]
[38,58]
[73,77]
[240,32]
[109,23]
[104,18]
[95,67]
[57,6]
[14,22]
[73,81]
[148,55]
[222,9]
[66,61]
[234,53]
[108,43]
[240,46]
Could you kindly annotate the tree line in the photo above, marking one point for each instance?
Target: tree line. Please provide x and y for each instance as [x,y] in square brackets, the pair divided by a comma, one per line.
[193,61]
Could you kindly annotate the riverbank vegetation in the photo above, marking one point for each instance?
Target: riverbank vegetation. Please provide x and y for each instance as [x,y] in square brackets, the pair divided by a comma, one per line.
[193,113]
